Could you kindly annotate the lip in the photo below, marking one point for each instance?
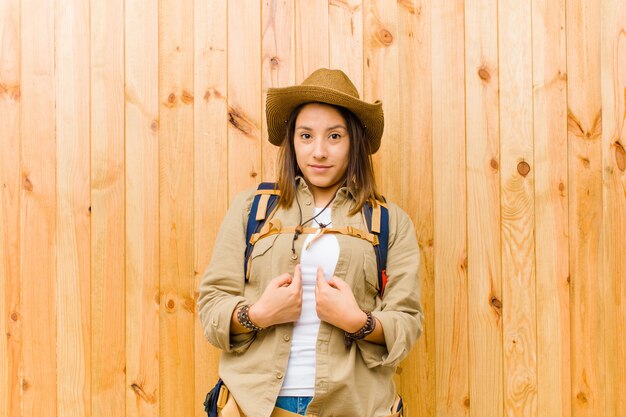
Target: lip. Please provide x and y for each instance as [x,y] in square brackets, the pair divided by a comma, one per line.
[320,168]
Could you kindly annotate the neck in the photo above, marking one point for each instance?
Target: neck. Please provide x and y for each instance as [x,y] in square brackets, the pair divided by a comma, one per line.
[322,196]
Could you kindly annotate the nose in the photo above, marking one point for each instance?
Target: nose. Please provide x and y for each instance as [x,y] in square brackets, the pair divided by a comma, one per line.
[319,152]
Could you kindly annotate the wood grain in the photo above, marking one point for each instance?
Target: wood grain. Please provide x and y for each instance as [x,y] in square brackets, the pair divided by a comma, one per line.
[10,283]
[277,66]
[244,95]
[613,74]
[312,37]
[345,37]
[107,209]
[73,201]
[38,205]
[551,208]
[449,201]
[588,394]
[483,196]
[142,208]
[176,175]
[210,164]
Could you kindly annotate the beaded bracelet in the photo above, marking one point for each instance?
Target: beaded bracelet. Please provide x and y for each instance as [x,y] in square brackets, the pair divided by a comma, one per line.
[368,327]
[244,319]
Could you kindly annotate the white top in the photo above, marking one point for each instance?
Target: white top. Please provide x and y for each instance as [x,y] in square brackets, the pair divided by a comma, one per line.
[300,375]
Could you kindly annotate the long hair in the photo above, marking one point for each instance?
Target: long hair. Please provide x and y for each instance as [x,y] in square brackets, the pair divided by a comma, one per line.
[359,177]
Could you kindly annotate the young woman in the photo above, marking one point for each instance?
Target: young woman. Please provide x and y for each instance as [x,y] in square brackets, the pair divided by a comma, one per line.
[309,332]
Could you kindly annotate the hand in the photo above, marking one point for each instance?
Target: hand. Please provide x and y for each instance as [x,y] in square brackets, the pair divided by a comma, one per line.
[336,305]
[281,302]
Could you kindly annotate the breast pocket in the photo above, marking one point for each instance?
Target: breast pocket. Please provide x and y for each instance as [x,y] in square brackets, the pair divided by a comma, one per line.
[260,267]
[370,272]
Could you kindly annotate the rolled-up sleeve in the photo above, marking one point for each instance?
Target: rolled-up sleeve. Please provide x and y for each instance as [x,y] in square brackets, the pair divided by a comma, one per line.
[399,311]
[222,284]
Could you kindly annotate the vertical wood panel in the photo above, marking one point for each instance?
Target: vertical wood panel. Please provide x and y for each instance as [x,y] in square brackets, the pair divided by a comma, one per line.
[312,49]
[176,162]
[483,189]
[107,208]
[38,211]
[418,380]
[73,200]
[449,198]
[244,95]
[517,208]
[345,35]
[613,84]
[142,208]
[277,66]
[210,164]
[10,306]
[550,142]
[585,207]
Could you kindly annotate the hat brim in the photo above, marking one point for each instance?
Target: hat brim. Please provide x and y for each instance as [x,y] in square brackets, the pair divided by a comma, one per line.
[281,102]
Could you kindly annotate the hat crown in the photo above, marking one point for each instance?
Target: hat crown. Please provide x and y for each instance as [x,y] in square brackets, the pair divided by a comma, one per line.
[334,79]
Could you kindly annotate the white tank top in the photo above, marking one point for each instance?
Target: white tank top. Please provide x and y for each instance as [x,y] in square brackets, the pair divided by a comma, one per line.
[300,375]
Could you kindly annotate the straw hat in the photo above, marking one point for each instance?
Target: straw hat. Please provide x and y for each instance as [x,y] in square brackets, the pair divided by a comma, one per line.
[324,86]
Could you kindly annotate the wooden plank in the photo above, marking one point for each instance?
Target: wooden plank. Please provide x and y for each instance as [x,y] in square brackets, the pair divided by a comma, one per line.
[613,83]
[418,380]
[142,207]
[449,199]
[73,215]
[312,49]
[345,35]
[483,196]
[585,207]
[10,285]
[517,208]
[211,164]
[277,66]
[107,207]
[38,373]
[244,95]
[551,208]
[176,162]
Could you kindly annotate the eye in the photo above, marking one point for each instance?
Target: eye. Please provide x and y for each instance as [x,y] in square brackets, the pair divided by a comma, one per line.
[305,136]
[335,136]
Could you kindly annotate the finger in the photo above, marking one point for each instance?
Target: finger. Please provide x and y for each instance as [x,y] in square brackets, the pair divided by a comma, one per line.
[282,280]
[297,276]
[321,277]
[337,282]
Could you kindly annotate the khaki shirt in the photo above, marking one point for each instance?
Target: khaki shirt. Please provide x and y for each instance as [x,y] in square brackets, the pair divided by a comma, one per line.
[355,381]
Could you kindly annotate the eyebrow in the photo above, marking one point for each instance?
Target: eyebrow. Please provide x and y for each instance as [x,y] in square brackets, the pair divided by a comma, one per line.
[330,128]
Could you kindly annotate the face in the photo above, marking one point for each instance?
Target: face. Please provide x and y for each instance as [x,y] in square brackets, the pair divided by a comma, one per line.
[322,145]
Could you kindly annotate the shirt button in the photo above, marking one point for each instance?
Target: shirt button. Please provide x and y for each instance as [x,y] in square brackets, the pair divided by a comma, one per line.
[286,338]
[279,375]
[308,202]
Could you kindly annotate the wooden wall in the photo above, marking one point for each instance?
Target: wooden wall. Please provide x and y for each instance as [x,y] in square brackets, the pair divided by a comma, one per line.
[127,126]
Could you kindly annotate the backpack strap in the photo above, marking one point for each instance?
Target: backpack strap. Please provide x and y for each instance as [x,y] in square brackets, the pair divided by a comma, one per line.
[264,203]
[377,218]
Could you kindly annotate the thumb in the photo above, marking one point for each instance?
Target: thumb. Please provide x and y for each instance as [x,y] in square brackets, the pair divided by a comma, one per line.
[336,282]
[297,275]
[321,277]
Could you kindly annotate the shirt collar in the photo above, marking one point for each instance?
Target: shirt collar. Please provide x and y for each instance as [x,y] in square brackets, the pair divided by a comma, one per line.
[343,191]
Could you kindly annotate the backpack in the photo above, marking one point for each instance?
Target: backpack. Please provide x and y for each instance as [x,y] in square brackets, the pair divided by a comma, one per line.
[265,204]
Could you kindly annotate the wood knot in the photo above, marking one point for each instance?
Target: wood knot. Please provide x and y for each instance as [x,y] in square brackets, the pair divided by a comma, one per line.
[187,97]
[484,74]
[274,62]
[620,156]
[171,100]
[495,303]
[466,402]
[154,126]
[28,186]
[239,121]
[170,305]
[581,397]
[494,164]
[25,385]
[253,174]
[139,392]
[14,316]
[384,36]
[523,168]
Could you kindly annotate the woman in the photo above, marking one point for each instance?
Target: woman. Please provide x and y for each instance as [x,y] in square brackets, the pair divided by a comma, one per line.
[308,331]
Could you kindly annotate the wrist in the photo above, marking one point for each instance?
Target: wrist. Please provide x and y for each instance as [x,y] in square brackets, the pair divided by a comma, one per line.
[244,319]
[257,318]
[356,322]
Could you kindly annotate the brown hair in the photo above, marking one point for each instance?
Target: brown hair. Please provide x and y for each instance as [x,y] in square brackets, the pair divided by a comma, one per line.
[360,168]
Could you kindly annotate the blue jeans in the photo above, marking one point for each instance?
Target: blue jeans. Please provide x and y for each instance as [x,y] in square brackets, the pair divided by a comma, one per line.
[296,405]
